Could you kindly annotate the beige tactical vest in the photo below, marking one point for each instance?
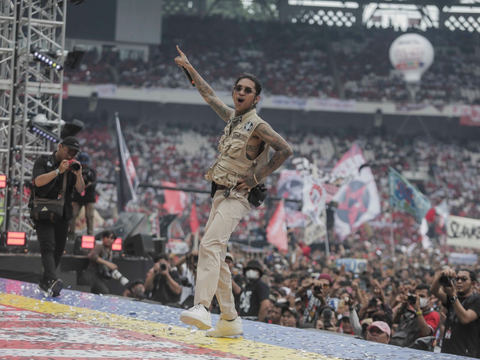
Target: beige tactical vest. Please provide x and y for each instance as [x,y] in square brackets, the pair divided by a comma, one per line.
[232,164]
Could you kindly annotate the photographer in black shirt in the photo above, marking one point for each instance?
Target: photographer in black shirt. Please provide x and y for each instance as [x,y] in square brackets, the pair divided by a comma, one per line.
[462,327]
[163,283]
[48,176]
[85,198]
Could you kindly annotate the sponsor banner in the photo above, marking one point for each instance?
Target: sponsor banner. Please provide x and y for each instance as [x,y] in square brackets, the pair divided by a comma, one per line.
[106,90]
[406,197]
[463,232]
[277,228]
[469,114]
[331,105]
[407,107]
[358,201]
[313,104]
[463,259]
[290,185]
[353,265]
[289,102]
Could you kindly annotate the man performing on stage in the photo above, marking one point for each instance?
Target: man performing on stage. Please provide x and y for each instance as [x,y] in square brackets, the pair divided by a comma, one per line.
[242,165]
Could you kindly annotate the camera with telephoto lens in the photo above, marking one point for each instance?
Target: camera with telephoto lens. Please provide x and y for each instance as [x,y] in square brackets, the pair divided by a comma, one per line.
[117,275]
[327,318]
[446,281]
[163,267]
[412,299]
[74,165]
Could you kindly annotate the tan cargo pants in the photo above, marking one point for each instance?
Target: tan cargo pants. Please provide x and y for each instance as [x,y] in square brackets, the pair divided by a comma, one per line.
[213,273]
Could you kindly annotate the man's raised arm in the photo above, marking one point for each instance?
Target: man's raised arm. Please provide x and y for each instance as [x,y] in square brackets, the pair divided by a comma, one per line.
[204,89]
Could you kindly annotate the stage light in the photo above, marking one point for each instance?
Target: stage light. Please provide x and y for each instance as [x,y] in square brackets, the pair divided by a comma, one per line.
[117,245]
[47,60]
[15,238]
[3,181]
[43,131]
[88,242]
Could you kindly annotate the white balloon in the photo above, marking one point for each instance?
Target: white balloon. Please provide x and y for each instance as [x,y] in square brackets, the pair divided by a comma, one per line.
[412,55]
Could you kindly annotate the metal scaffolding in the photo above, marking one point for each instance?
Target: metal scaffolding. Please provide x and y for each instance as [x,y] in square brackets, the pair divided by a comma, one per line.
[27,88]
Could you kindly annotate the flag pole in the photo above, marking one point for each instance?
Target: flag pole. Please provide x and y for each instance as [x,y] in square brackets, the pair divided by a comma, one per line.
[391,233]
[327,245]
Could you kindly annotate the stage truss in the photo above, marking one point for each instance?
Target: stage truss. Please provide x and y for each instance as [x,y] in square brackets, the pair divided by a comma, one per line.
[27,88]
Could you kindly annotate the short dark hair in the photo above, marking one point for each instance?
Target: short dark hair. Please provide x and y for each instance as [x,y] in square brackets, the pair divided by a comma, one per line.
[258,84]
[108,233]
[423,287]
[473,274]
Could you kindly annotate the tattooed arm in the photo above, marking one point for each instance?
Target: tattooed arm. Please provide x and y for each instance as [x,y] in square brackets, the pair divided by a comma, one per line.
[204,89]
[282,152]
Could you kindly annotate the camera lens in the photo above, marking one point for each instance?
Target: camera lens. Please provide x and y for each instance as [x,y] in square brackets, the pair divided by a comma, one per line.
[163,267]
[445,281]
[75,166]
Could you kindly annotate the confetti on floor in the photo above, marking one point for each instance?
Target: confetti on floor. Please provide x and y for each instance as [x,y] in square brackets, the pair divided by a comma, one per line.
[85,326]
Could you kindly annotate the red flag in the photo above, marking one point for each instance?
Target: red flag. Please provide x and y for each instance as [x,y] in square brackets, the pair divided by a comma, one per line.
[277,228]
[174,200]
[194,224]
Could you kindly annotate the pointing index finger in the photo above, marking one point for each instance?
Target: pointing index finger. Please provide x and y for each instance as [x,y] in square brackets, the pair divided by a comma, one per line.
[179,51]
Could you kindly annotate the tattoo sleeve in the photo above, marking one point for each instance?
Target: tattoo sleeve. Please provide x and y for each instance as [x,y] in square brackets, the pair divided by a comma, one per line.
[281,147]
[209,95]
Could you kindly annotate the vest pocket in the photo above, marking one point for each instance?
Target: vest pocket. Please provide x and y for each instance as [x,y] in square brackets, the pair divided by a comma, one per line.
[236,148]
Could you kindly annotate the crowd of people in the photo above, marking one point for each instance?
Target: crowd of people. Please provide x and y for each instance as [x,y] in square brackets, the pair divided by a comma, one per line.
[292,59]
[410,301]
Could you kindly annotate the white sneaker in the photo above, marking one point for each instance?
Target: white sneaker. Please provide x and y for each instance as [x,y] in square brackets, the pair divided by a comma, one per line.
[226,328]
[197,316]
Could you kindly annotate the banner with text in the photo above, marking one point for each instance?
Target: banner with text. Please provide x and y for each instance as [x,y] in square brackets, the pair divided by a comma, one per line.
[463,232]
[462,259]
[353,265]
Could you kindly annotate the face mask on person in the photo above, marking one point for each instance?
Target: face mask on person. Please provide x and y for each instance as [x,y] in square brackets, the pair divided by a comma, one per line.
[252,274]
[423,302]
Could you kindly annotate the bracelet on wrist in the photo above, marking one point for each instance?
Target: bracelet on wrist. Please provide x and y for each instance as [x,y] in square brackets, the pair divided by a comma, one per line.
[419,312]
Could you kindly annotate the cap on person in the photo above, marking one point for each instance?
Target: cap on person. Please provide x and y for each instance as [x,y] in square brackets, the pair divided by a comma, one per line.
[84,159]
[291,311]
[381,325]
[326,277]
[253,264]
[230,256]
[71,142]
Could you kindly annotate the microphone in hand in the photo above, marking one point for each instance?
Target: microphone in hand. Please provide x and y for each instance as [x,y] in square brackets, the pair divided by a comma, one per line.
[187,74]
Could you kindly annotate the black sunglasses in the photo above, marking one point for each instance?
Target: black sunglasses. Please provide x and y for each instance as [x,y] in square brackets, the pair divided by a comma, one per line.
[464,278]
[247,90]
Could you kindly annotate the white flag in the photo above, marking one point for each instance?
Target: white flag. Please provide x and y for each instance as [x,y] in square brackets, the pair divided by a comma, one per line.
[314,197]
